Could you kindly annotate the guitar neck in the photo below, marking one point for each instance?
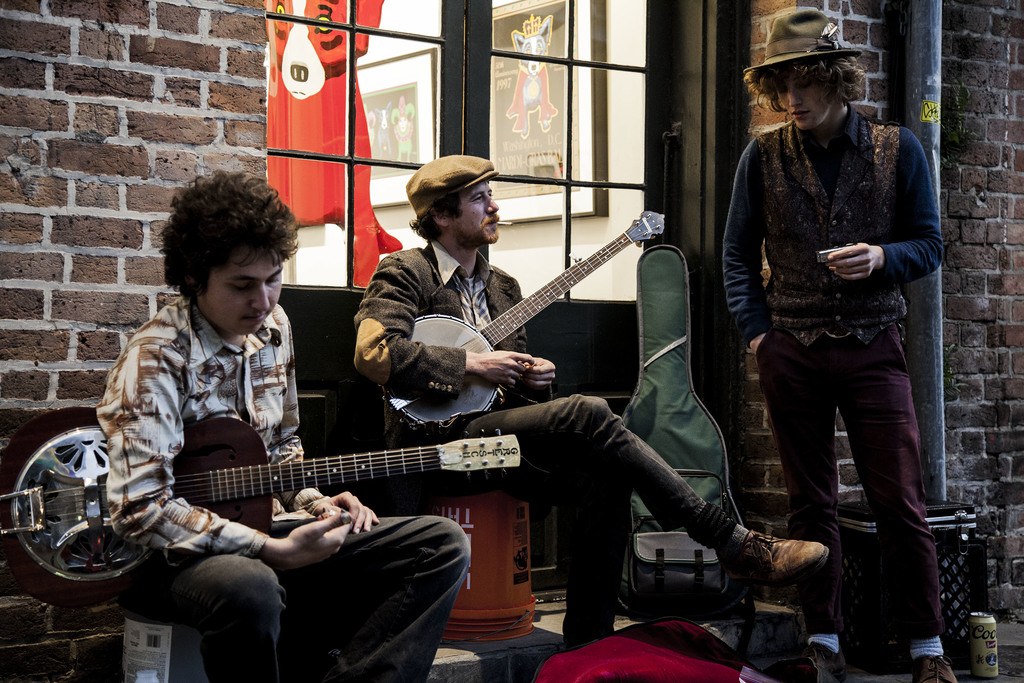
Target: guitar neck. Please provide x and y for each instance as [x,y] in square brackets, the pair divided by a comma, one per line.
[517,316]
[260,480]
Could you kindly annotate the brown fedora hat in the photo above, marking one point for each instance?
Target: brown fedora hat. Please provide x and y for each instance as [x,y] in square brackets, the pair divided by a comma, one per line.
[801,34]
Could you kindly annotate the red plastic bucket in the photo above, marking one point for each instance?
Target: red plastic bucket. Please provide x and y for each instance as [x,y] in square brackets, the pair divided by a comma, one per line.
[496,600]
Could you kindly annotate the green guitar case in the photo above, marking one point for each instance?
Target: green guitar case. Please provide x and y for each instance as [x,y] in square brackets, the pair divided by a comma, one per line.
[666,572]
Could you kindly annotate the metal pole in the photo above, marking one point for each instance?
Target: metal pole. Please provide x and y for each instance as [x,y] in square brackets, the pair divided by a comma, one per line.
[924,318]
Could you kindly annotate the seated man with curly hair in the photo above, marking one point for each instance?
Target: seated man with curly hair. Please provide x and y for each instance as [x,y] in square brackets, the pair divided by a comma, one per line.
[366,598]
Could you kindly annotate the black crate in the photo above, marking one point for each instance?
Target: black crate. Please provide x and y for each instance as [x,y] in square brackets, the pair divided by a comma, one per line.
[872,639]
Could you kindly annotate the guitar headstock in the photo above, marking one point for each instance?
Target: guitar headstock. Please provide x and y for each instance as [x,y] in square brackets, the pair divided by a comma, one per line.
[646,226]
[484,453]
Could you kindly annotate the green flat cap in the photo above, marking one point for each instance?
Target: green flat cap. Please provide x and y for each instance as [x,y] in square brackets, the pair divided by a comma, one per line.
[801,34]
[437,178]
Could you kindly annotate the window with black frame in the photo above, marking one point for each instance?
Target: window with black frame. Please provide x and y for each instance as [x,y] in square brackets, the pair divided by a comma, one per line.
[561,99]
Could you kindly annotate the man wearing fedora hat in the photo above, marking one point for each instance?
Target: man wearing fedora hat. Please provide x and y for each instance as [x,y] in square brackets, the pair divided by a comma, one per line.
[574,448]
[844,210]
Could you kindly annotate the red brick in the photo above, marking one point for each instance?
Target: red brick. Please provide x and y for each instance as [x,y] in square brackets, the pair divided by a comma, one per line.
[46,266]
[177,54]
[33,385]
[101,308]
[45,346]
[149,198]
[245,133]
[248,28]
[40,191]
[22,73]
[970,308]
[21,228]
[97,120]
[97,43]
[89,231]
[84,385]
[98,345]
[238,98]
[94,269]
[102,82]
[144,270]
[970,257]
[177,19]
[34,37]
[22,6]
[21,304]
[246,63]
[34,113]
[96,195]
[108,12]
[172,128]
[183,92]
[100,159]
[253,165]
[175,164]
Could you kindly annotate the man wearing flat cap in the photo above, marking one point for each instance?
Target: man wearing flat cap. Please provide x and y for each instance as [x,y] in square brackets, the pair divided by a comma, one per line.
[826,330]
[573,448]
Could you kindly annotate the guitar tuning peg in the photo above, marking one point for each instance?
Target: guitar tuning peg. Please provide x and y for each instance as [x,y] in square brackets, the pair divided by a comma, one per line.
[497,432]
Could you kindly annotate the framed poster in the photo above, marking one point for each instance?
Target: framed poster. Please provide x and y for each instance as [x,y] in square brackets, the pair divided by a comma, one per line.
[529,116]
[399,97]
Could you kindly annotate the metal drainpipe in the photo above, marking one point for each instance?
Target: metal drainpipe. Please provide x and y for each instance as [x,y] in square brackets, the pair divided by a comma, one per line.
[924,319]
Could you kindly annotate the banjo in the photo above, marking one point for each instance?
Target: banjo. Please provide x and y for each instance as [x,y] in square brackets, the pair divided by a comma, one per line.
[56,528]
[442,330]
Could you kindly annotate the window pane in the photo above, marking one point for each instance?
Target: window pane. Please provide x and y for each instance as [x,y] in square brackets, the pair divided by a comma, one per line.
[530,250]
[307,93]
[531,27]
[609,146]
[397,81]
[528,117]
[316,193]
[422,17]
[615,280]
[320,259]
[612,32]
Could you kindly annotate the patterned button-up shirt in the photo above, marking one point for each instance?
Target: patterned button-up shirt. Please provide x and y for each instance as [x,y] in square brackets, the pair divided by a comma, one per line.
[177,371]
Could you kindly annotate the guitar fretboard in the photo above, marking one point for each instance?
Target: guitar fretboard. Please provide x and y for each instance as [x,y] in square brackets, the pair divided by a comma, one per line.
[258,480]
[517,316]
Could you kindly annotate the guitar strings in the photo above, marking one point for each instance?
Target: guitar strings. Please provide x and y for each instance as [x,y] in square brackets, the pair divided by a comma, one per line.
[255,480]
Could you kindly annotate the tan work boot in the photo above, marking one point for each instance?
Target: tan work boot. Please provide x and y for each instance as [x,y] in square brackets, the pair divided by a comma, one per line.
[775,561]
[933,670]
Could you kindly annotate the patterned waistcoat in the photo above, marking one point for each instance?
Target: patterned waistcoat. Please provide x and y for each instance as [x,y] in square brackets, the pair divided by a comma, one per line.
[805,297]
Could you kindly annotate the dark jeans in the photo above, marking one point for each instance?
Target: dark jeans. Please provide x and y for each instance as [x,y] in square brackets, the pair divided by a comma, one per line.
[576,450]
[870,386]
[375,611]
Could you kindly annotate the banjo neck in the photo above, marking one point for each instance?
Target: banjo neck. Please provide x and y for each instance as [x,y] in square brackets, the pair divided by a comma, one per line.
[517,316]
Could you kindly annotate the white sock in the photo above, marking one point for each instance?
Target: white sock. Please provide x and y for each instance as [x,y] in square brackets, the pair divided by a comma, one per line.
[829,640]
[925,647]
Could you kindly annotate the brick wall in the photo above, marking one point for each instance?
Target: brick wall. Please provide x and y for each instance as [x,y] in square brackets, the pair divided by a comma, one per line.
[105,109]
[982,211]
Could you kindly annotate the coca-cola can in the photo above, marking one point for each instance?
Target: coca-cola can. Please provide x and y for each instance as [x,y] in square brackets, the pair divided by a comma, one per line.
[984,648]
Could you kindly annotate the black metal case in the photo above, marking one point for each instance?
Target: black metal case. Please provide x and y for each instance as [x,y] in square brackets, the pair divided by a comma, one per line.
[872,639]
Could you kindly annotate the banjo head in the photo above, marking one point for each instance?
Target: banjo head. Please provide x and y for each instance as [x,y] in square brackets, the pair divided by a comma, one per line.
[477,394]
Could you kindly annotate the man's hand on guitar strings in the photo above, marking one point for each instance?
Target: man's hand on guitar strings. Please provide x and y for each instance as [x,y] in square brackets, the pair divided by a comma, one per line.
[539,374]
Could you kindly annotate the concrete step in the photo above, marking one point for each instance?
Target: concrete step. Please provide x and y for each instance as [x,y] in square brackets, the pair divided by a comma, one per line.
[516,660]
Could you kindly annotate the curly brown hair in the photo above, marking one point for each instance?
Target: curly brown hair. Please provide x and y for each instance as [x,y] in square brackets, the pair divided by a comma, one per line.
[214,215]
[841,78]
[425,227]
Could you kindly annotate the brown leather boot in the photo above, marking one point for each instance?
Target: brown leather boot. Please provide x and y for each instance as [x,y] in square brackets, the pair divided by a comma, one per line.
[933,670]
[775,561]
